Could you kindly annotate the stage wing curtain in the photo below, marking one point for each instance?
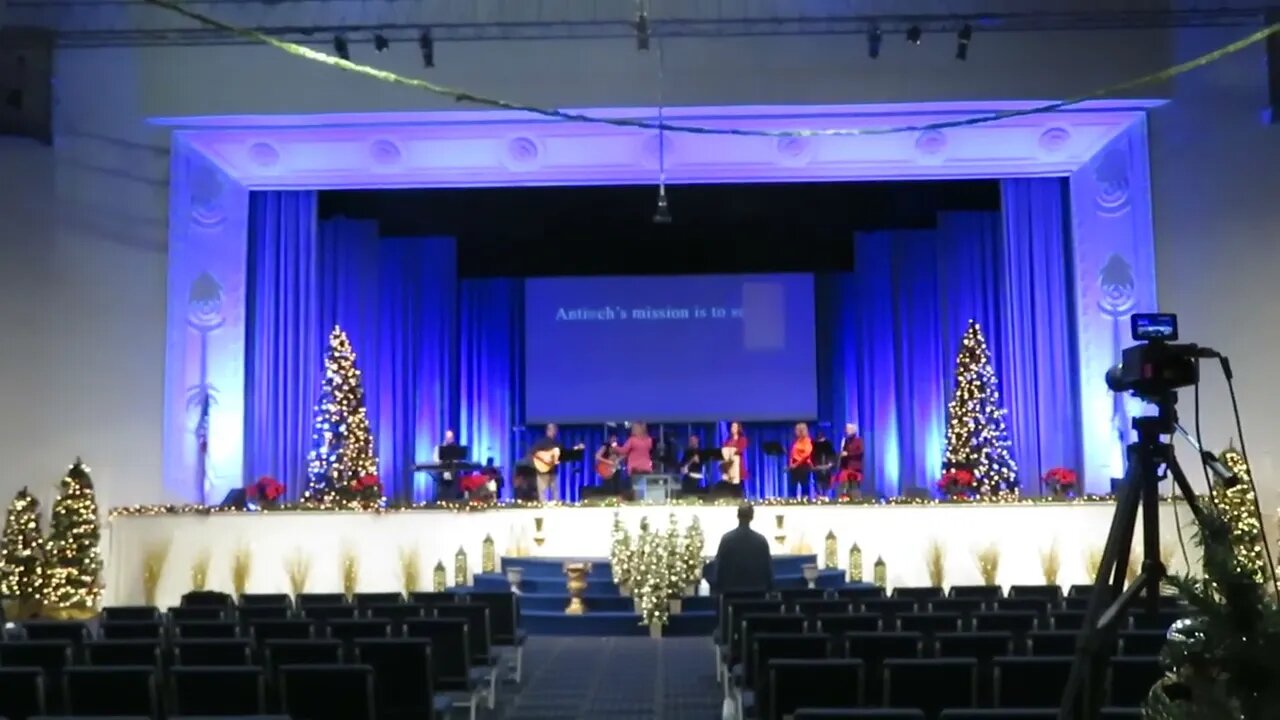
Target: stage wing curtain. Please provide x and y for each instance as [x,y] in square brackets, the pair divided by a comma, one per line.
[491,341]
[1040,326]
[396,299]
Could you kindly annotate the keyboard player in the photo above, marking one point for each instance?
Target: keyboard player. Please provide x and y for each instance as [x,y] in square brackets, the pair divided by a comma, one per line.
[447,458]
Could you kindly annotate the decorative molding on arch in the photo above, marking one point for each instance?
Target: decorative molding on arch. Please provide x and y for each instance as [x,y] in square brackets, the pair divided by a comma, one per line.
[216,160]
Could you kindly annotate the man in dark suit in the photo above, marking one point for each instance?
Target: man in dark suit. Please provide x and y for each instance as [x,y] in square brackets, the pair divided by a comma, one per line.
[743,562]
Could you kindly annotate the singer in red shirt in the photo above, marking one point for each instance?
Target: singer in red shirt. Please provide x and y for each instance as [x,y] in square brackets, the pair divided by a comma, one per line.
[800,462]
[733,468]
[851,455]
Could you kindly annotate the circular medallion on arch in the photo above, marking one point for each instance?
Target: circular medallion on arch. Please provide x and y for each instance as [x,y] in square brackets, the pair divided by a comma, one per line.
[794,150]
[385,152]
[264,154]
[1054,141]
[658,149]
[523,153]
[205,188]
[931,146]
[1111,176]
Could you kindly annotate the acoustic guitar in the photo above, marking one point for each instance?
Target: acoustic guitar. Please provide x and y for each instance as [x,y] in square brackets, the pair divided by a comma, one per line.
[606,467]
[546,461]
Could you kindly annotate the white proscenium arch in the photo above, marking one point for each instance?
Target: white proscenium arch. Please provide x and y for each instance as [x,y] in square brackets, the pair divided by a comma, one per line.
[1101,146]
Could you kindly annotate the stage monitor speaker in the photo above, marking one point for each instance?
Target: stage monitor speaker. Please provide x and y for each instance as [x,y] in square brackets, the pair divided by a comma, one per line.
[26,83]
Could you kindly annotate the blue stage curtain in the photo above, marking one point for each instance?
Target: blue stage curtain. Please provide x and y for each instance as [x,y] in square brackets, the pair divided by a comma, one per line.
[1040,325]
[396,299]
[491,360]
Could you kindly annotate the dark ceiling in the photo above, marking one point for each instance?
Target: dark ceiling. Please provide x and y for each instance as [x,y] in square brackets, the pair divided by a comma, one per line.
[796,227]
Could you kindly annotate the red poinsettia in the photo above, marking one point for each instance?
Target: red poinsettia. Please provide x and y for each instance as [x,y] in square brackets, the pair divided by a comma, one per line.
[265,489]
[473,482]
[1061,476]
[852,477]
[956,481]
[366,482]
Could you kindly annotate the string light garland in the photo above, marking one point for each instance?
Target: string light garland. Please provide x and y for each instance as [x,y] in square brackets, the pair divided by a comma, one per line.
[977,439]
[342,471]
[73,562]
[1239,509]
[469,507]
[459,95]
[22,555]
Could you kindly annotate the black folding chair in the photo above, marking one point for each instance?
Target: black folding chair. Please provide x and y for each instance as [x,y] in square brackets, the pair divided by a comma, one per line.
[838,625]
[213,653]
[451,658]
[328,692]
[918,594]
[740,670]
[985,593]
[1030,682]
[105,653]
[74,632]
[404,678]
[265,600]
[930,623]
[791,596]
[325,613]
[984,647]
[1018,623]
[1050,593]
[951,683]
[130,613]
[767,647]
[217,691]
[860,592]
[504,623]
[279,653]
[369,599]
[1037,605]
[1072,620]
[208,599]
[348,631]
[1052,643]
[52,657]
[1130,679]
[811,609]
[177,615]
[132,630]
[206,630]
[432,599]
[267,631]
[330,599]
[965,607]
[250,614]
[22,692]
[121,690]
[794,684]
[890,608]
[858,714]
[395,614]
[874,649]
[1142,642]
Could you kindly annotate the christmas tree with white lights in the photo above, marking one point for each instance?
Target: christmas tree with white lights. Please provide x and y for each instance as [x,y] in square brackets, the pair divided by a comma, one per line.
[342,471]
[73,560]
[977,439]
[22,557]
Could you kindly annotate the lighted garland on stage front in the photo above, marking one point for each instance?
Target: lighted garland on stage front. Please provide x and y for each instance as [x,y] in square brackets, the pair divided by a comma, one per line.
[977,439]
[73,563]
[342,470]
[22,557]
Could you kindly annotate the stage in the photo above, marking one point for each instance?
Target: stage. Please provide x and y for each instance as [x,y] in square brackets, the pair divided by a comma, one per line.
[900,533]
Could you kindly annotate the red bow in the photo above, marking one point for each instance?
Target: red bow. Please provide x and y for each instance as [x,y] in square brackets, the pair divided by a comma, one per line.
[265,488]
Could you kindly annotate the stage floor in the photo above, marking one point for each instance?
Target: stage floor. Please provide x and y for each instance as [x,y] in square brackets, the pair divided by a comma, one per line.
[901,534]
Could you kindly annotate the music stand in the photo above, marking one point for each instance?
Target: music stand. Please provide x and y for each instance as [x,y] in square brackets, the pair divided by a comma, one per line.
[824,449]
[572,455]
[773,448]
[453,453]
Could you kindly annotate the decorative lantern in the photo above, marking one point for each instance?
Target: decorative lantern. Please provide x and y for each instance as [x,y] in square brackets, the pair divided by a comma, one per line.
[855,563]
[438,578]
[460,568]
[831,559]
[881,573]
[488,556]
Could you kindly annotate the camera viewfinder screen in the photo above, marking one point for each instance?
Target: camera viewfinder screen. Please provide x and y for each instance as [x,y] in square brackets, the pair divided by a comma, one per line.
[1155,326]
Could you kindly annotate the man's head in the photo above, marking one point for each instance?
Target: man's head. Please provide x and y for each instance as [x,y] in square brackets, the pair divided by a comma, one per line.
[745,514]
[850,429]
[448,437]
[552,430]
[693,441]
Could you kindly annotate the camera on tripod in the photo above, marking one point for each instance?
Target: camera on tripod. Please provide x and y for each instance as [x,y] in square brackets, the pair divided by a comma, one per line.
[1158,364]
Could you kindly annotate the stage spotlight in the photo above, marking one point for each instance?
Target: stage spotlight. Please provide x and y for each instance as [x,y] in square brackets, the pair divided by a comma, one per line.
[380,42]
[428,48]
[873,42]
[662,216]
[914,34]
[340,47]
[962,42]
[642,30]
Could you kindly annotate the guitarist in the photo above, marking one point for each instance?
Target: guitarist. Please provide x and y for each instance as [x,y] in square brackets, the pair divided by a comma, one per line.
[607,465]
[546,460]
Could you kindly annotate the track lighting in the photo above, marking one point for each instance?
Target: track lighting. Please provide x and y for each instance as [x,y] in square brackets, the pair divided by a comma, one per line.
[428,48]
[340,47]
[874,36]
[380,42]
[962,42]
[914,34]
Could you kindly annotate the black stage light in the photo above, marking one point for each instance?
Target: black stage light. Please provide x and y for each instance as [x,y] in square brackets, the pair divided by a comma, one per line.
[380,42]
[340,47]
[873,42]
[428,48]
[662,216]
[962,42]
[642,31]
[914,34]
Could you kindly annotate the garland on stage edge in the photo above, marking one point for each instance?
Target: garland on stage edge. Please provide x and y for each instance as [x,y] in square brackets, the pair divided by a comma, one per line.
[459,95]
[167,510]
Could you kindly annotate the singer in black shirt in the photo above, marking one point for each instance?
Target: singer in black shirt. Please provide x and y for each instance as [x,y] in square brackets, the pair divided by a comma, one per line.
[692,462]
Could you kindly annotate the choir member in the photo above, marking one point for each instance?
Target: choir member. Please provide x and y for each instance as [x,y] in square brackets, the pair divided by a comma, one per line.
[851,453]
[800,462]
[734,448]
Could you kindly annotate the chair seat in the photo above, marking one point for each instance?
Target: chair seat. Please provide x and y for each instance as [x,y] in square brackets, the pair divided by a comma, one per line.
[442,705]
[479,676]
[737,673]
[747,701]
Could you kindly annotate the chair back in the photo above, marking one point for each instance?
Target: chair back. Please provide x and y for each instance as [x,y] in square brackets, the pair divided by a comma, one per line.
[479,629]
[328,692]
[767,647]
[919,594]
[266,631]
[212,653]
[130,613]
[124,690]
[1030,682]
[266,600]
[839,624]
[504,614]
[951,683]
[132,630]
[308,599]
[217,690]
[985,593]
[348,631]
[432,599]
[206,629]
[794,684]
[365,600]
[404,682]
[761,623]
[123,652]
[22,692]
[1051,593]
[450,649]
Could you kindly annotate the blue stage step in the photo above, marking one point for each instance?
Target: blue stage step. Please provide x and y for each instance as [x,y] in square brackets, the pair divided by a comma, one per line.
[607,624]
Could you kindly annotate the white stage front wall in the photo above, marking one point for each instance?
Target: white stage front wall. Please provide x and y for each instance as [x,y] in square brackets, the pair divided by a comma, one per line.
[901,534]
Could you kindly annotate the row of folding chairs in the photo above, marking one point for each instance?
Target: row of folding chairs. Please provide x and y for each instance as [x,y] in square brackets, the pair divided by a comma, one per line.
[929,686]
[1075,595]
[315,692]
[952,714]
[452,668]
[208,598]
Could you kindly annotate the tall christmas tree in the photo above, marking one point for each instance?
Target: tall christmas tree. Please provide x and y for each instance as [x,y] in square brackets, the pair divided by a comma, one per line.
[22,557]
[977,440]
[73,561]
[341,468]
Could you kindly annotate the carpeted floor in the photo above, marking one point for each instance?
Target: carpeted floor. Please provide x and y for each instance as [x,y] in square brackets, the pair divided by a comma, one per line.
[620,678]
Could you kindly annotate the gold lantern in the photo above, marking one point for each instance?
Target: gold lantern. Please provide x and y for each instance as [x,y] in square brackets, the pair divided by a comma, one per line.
[460,568]
[831,553]
[488,556]
[855,563]
[881,574]
[438,578]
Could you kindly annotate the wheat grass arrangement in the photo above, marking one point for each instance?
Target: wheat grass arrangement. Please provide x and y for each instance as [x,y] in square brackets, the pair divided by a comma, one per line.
[200,570]
[410,569]
[1051,563]
[241,565]
[935,561]
[350,571]
[298,567]
[988,559]
[153,562]
[1093,561]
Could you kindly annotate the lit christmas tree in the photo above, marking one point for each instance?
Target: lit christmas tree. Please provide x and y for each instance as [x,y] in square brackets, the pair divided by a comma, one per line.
[73,563]
[22,557]
[1239,508]
[341,468]
[977,440]
[691,552]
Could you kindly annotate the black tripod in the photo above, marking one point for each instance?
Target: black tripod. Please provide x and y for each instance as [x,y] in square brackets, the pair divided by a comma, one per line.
[1147,460]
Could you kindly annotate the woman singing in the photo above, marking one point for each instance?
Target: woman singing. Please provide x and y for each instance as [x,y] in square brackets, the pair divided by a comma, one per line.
[734,447]
[851,453]
[636,454]
[800,462]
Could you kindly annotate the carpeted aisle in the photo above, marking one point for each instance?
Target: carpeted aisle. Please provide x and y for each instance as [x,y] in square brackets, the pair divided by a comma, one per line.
[620,678]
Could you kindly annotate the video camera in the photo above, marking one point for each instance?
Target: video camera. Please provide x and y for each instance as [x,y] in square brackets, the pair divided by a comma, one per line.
[1158,365]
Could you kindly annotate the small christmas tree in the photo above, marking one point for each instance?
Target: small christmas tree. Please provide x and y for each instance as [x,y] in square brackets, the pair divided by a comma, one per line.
[341,468]
[691,551]
[675,570]
[977,440]
[620,553]
[73,563]
[22,557]
[653,577]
